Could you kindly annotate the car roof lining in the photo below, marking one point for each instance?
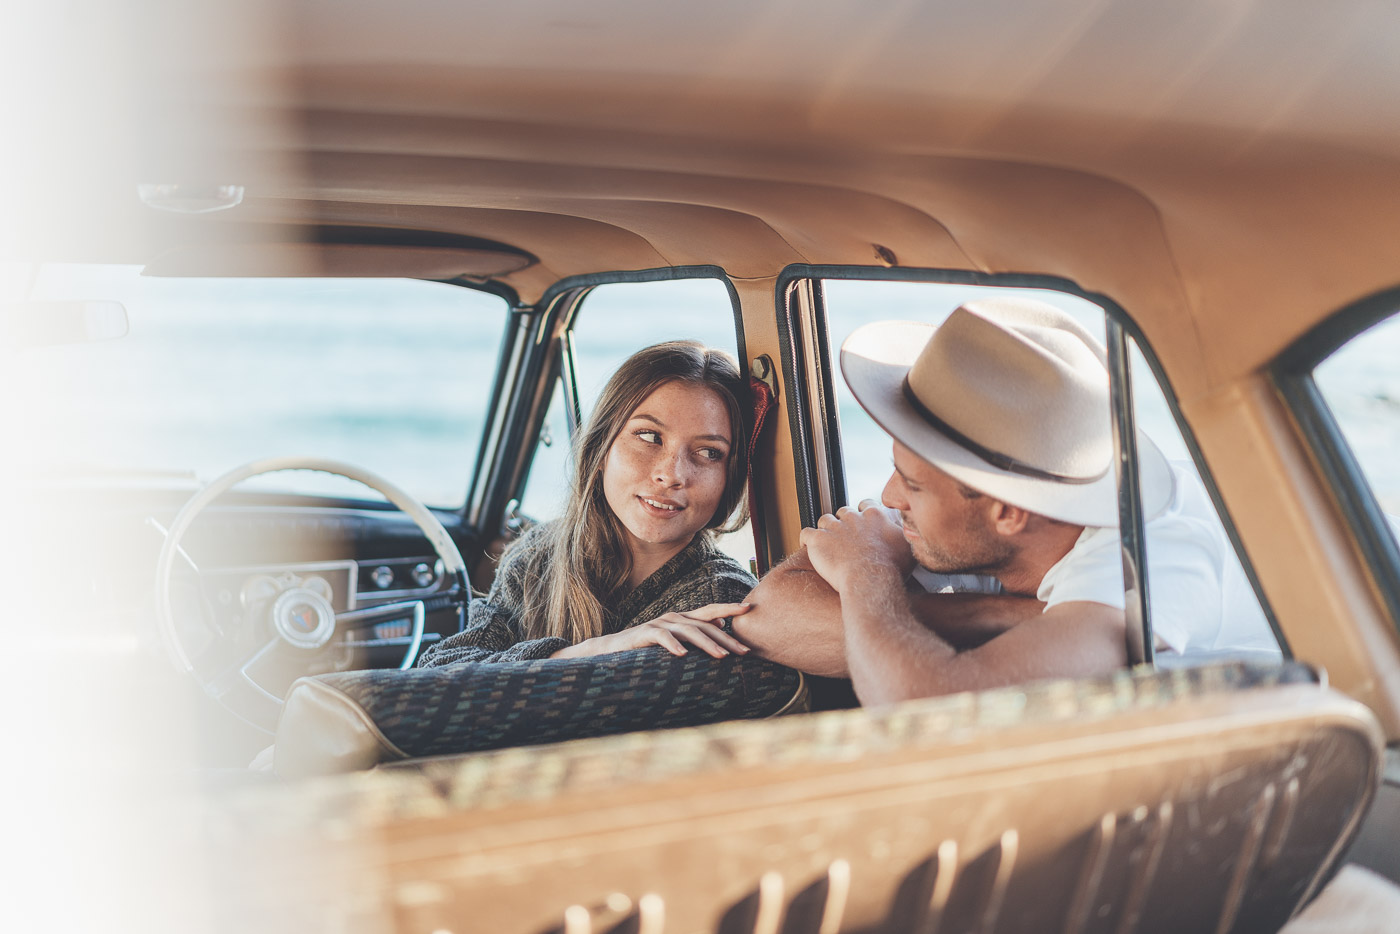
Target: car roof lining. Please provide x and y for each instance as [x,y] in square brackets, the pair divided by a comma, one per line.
[755,135]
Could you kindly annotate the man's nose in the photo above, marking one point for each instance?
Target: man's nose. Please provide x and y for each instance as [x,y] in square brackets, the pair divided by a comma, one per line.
[892,495]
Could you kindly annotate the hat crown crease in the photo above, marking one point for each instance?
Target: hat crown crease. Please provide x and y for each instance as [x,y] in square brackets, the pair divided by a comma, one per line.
[1032,393]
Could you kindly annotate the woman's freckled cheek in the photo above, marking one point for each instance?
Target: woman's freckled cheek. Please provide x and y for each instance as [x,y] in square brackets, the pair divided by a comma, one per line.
[630,459]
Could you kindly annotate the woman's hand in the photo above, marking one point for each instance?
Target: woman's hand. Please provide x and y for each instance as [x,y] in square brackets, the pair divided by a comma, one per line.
[698,627]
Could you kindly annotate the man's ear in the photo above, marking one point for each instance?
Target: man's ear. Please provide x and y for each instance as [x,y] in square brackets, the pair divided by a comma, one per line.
[1008,519]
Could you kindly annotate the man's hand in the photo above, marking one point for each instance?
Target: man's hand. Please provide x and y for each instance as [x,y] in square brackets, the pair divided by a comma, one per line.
[857,542]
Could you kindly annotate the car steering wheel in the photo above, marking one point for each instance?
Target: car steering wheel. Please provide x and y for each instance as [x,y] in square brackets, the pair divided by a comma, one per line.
[232,667]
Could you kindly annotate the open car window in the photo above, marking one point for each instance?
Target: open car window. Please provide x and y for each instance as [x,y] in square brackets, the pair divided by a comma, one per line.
[614,321]
[860,463]
[386,374]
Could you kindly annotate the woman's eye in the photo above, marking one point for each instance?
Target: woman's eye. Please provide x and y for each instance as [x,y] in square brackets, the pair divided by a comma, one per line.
[649,436]
[712,454]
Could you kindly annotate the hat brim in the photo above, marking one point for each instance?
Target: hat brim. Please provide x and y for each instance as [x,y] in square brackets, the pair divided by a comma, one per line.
[875,360]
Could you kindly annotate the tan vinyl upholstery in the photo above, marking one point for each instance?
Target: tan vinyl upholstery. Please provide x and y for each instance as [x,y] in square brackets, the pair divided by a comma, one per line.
[1195,800]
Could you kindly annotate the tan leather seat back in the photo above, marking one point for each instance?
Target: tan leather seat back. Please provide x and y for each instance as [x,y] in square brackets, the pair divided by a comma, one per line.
[1185,801]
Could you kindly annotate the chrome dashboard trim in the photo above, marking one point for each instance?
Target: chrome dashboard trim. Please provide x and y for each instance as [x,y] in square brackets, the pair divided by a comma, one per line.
[349,566]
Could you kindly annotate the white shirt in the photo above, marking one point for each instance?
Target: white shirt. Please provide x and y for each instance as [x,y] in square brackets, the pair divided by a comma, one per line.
[1198,595]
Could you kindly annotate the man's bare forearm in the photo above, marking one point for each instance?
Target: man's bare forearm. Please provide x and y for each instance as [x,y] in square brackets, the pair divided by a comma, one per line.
[795,619]
[892,655]
[967,620]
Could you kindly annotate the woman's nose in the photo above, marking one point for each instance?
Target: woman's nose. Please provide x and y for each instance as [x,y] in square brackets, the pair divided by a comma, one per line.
[670,468]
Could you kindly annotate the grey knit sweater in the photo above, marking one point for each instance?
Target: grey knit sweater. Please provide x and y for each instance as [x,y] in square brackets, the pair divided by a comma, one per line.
[699,575]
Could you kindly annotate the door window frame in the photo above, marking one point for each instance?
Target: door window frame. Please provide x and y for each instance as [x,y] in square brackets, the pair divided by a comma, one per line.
[539,355]
[802,325]
[1292,376]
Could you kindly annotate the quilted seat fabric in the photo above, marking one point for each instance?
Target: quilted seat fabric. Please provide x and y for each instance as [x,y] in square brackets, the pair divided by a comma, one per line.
[470,707]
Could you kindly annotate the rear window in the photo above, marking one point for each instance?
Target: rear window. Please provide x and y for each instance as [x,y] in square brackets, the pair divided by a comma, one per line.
[1361,384]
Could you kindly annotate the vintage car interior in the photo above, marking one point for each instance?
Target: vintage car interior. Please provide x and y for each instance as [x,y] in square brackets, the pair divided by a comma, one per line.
[330,246]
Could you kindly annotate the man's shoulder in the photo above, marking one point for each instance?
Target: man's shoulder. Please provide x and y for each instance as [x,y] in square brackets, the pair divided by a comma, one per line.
[1091,571]
[1089,550]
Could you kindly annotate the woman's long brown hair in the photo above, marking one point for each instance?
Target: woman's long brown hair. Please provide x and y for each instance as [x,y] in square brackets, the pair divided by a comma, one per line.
[584,564]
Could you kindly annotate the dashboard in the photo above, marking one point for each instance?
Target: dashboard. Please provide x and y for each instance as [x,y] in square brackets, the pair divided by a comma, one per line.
[249,596]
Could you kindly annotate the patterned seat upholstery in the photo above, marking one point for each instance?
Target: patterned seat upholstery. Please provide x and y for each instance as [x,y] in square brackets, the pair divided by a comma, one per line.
[356,719]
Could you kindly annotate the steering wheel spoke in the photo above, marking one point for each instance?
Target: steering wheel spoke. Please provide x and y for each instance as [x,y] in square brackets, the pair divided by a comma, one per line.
[255,682]
[248,676]
[408,616]
[242,671]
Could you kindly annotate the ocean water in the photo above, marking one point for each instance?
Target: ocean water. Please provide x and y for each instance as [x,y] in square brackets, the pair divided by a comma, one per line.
[395,375]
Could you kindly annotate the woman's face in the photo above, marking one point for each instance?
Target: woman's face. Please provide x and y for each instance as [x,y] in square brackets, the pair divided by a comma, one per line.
[665,472]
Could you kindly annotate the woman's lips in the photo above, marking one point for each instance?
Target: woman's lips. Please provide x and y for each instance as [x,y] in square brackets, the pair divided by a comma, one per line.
[662,508]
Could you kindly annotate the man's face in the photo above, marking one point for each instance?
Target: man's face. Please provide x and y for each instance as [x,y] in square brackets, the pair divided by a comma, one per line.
[949,532]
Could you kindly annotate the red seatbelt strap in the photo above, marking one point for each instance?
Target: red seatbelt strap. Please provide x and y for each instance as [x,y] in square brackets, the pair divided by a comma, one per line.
[763,387]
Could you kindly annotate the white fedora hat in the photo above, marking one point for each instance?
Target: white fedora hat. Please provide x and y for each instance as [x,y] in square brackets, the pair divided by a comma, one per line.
[1008,396]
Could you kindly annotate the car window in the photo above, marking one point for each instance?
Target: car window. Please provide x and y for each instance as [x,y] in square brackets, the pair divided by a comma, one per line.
[1361,385]
[1249,629]
[392,375]
[865,462]
[614,321]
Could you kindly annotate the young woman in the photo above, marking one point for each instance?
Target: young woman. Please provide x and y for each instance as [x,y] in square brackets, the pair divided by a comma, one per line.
[661,465]
[631,565]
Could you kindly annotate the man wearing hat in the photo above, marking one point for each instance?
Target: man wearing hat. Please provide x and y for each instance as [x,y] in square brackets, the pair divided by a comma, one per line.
[1003,467]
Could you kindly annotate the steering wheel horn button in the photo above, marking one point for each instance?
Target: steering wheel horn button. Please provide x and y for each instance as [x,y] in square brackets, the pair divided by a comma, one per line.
[303,618]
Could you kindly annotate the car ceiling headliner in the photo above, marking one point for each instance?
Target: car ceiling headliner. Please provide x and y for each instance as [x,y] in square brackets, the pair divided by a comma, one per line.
[1230,161]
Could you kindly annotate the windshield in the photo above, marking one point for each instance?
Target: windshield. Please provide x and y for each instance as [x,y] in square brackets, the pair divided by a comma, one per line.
[389,374]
